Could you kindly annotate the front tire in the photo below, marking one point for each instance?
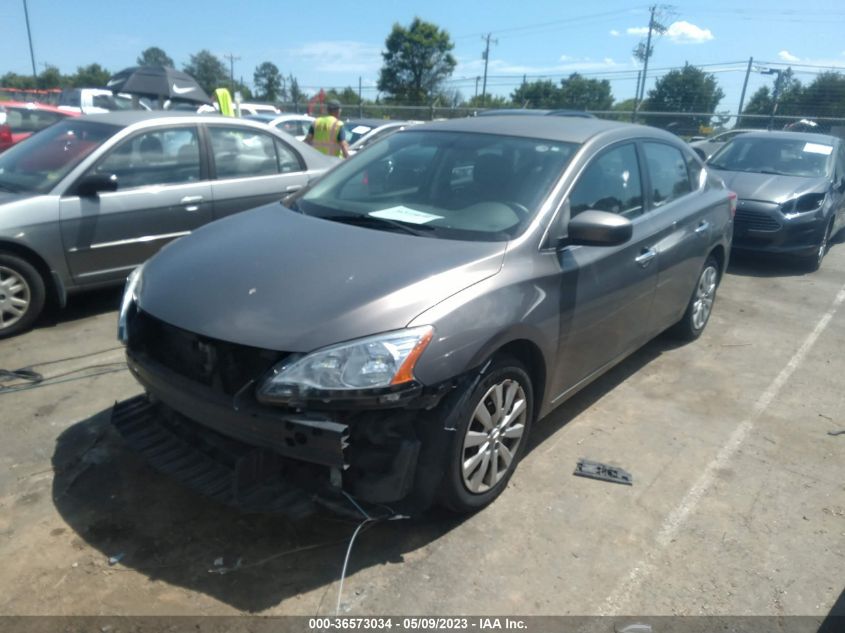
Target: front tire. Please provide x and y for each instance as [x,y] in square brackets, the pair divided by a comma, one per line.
[490,438]
[700,305]
[22,295]
[814,262]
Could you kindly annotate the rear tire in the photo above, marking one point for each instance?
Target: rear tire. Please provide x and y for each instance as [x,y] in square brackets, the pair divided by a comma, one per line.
[701,302]
[22,295]
[491,435]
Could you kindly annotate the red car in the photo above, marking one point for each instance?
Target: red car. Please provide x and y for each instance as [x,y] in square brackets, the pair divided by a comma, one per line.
[19,120]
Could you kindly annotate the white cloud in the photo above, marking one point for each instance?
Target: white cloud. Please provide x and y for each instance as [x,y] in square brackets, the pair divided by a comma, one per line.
[473,67]
[340,56]
[683,32]
[615,33]
[788,57]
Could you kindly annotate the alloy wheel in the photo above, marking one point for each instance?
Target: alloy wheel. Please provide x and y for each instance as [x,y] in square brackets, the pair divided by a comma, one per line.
[15,297]
[705,294]
[493,436]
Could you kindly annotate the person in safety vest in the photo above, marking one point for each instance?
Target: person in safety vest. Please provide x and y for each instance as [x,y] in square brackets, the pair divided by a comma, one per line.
[327,135]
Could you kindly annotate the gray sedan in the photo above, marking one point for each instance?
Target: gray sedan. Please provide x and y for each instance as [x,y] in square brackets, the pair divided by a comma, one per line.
[440,293]
[85,201]
[791,192]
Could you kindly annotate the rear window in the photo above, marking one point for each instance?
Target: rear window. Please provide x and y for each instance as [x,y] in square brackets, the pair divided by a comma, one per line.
[30,120]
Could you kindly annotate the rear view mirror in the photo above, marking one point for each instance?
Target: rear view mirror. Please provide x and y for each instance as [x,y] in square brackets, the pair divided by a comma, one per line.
[599,228]
[94,184]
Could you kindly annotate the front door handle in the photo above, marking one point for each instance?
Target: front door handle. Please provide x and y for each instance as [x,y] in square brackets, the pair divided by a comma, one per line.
[292,188]
[190,199]
[703,227]
[644,258]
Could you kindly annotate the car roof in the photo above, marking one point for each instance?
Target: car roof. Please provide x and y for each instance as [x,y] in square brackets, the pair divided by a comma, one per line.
[126,118]
[34,105]
[530,111]
[375,122]
[809,137]
[565,129]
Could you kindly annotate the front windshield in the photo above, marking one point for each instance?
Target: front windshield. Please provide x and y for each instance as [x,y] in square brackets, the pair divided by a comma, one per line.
[779,156]
[443,184]
[38,163]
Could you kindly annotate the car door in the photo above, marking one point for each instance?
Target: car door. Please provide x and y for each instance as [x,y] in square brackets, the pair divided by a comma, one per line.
[163,193]
[606,291]
[682,224]
[251,168]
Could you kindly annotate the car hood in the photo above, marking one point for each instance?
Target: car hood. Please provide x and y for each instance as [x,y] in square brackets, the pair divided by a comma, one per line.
[276,279]
[770,187]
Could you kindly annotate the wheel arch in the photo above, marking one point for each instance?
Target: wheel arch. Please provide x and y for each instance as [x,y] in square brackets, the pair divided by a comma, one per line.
[52,283]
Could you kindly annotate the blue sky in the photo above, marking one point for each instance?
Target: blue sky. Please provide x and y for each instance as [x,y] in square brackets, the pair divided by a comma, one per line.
[330,44]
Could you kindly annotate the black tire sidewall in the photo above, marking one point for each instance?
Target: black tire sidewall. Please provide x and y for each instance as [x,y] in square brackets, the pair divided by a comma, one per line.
[37,292]
[454,494]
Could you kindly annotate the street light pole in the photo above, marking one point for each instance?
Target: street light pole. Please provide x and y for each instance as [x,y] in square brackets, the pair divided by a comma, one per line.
[775,93]
[29,35]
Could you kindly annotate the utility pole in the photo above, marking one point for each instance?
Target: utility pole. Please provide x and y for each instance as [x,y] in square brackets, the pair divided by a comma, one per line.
[477,79]
[360,100]
[639,98]
[232,59]
[486,56]
[29,35]
[744,87]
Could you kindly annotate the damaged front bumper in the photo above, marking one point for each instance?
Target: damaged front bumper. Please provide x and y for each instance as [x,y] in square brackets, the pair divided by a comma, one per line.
[263,458]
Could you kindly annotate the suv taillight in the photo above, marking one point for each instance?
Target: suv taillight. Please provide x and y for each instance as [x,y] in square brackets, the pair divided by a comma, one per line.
[732,201]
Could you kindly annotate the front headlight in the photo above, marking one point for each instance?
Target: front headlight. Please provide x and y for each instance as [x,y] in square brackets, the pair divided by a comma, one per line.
[130,296]
[377,362]
[803,204]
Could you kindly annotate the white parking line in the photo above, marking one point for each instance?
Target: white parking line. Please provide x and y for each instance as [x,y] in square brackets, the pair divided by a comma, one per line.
[618,601]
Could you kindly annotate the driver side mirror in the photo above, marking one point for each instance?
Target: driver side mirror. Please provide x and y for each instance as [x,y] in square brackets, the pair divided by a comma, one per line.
[95,184]
[599,228]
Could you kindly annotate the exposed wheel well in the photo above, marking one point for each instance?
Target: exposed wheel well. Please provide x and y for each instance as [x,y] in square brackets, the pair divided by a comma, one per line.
[529,355]
[719,254]
[40,265]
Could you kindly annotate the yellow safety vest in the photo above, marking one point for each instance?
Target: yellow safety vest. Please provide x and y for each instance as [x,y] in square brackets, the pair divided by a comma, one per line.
[326,129]
[224,100]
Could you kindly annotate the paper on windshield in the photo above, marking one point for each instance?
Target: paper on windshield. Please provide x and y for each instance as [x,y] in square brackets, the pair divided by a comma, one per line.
[818,148]
[361,129]
[405,214]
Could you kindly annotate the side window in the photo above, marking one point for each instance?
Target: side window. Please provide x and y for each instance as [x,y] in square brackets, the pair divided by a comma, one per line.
[668,171]
[610,183]
[288,160]
[240,153]
[160,157]
[840,164]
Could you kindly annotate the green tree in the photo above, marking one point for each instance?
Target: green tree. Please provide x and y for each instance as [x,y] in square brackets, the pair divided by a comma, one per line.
[268,82]
[91,76]
[416,62]
[542,93]
[208,70]
[824,97]
[154,56]
[689,89]
[51,77]
[579,93]
[20,82]
[348,96]
[790,101]
[490,101]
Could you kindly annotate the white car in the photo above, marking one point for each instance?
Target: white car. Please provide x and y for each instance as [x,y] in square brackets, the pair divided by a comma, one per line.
[97,101]
[296,125]
[257,108]
[362,133]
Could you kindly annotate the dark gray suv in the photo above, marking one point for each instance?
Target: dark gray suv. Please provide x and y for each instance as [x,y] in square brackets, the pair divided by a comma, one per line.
[391,333]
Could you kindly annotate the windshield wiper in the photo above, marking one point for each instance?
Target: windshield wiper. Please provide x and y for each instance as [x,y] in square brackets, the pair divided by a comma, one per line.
[369,220]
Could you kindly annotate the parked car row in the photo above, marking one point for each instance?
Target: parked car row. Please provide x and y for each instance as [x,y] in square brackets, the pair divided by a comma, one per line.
[20,120]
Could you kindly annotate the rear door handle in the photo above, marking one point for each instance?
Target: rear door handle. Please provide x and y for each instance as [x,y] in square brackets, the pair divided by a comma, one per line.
[190,200]
[644,258]
[703,227]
